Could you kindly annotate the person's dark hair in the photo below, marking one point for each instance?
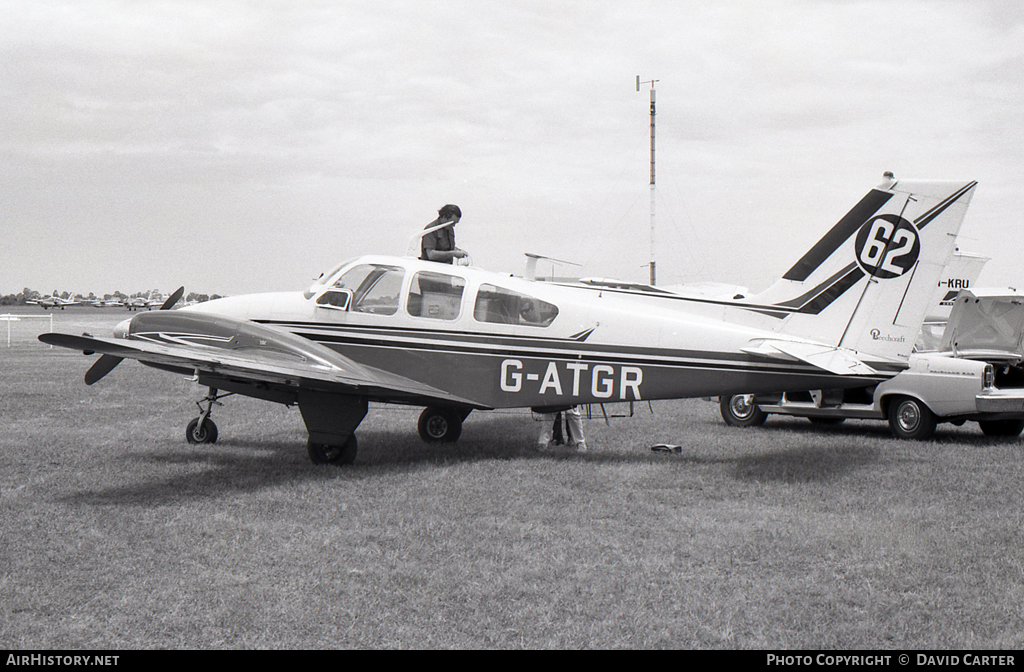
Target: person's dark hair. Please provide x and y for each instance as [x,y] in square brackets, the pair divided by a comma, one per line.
[450,211]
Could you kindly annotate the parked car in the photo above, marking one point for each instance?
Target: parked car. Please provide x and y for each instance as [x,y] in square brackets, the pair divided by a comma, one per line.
[975,374]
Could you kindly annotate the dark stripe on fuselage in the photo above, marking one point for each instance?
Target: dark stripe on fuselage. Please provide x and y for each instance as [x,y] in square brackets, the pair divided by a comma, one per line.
[802,300]
[615,356]
[822,296]
[839,233]
[498,344]
[825,299]
[386,332]
[491,345]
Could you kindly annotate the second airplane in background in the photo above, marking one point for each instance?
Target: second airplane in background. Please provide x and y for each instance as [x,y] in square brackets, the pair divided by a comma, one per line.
[54,301]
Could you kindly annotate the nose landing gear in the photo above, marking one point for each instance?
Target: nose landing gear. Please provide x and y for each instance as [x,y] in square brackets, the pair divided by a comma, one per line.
[203,429]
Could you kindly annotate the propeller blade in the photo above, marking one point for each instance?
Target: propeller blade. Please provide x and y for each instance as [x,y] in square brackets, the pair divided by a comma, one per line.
[104,365]
[173,298]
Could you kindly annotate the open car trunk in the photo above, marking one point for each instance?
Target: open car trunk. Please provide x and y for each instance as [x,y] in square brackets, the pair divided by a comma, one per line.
[986,325]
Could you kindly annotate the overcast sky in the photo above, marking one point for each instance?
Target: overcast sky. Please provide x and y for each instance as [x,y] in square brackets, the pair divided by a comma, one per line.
[238,146]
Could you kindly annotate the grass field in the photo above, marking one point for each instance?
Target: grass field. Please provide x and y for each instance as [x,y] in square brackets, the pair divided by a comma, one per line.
[115,533]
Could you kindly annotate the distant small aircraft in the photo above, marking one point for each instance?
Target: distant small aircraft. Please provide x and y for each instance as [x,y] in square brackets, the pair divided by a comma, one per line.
[54,301]
[148,302]
[108,303]
[456,339]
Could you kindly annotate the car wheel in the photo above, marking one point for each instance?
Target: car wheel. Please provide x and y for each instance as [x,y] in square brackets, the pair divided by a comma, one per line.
[909,418]
[739,410]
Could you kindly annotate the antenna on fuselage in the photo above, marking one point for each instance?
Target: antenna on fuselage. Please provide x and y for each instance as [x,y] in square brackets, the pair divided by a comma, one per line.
[652,82]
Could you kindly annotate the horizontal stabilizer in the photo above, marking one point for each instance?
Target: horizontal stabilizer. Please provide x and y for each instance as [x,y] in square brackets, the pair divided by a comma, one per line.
[834,360]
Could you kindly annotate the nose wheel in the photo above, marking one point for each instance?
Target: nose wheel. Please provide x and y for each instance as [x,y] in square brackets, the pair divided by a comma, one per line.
[203,429]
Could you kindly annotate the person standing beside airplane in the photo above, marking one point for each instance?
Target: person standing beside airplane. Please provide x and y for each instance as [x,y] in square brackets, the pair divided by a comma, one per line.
[573,425]
[438,244]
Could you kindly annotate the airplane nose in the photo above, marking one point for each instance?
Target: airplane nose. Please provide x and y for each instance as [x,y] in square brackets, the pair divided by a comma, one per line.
[122,328]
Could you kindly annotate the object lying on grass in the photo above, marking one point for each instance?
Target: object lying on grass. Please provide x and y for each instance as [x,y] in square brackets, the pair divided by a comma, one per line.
[666,448]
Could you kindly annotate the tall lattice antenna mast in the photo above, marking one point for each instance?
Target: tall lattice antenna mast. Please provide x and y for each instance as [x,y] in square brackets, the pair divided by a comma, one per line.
[652,82]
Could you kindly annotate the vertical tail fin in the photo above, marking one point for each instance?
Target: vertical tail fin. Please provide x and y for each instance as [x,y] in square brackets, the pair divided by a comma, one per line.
[868,283]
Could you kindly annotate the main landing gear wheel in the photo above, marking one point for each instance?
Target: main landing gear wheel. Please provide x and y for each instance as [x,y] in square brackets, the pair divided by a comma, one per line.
[911,419]
[439,425]
[739,410]
[321,453]
[201,432]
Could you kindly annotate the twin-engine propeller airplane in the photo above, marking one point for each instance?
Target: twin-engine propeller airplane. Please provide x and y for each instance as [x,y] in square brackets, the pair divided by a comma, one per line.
[457,339]
[54,301]
[148,302]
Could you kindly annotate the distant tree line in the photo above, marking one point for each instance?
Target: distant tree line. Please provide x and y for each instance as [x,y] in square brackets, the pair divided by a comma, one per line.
[26,294]
[20,298]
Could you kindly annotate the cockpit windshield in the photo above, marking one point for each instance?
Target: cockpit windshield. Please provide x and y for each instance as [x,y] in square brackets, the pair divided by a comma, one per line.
[375,288]
[324,277]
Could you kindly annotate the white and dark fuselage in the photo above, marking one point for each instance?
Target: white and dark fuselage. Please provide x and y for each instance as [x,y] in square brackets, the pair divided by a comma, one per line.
[454,339]
[595,344]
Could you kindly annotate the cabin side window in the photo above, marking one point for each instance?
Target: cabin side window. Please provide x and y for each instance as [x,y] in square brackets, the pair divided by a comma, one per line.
[375,288]
[435,295]
[502,306]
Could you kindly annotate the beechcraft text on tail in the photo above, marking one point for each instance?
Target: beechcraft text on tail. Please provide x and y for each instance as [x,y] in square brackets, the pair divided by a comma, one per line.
[457,339]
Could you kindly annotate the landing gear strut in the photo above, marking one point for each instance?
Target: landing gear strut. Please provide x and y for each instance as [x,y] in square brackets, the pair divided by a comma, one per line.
[202,429]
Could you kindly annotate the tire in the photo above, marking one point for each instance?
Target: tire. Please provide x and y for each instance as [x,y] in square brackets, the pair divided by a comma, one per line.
[909,418]
[439,425]
[739,410]
[321,453]
[1001,428]
[205,434]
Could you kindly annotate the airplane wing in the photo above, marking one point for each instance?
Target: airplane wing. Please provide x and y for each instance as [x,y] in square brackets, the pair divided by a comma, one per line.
[255,355]
[832,359]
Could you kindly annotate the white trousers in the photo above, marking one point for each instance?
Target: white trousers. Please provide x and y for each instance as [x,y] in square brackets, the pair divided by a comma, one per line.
[575,422]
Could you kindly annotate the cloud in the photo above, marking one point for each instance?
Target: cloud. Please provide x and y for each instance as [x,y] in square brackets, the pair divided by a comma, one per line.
[334,129]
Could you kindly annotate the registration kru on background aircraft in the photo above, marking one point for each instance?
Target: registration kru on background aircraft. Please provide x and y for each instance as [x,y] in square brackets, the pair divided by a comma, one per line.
[457,339]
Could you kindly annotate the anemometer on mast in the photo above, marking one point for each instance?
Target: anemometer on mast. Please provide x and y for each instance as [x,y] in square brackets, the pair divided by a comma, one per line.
[652,82]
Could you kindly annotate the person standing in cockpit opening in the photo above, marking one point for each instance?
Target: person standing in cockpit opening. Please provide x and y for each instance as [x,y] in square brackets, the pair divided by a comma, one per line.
[439,244]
